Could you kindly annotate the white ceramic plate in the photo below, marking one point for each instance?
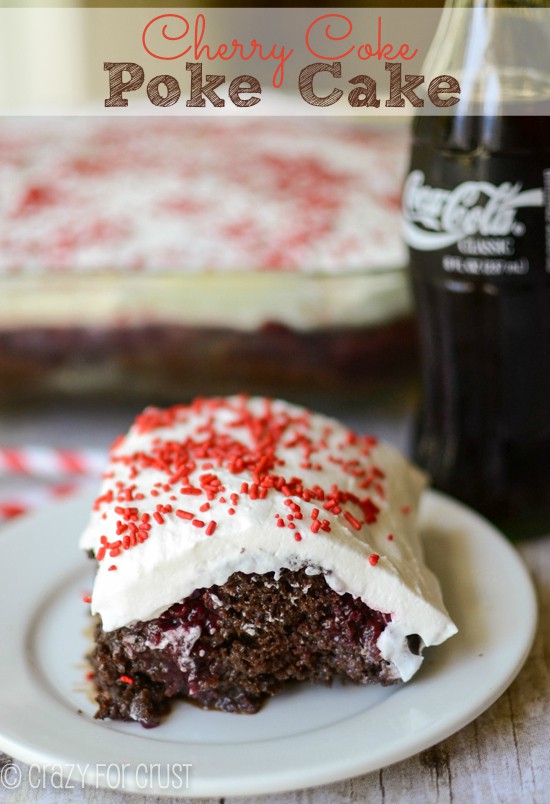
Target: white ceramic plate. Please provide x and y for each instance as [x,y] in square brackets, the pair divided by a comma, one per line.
[308,736]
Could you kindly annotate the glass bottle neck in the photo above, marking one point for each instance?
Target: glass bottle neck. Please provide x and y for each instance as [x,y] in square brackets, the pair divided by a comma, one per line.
[498,51]
[496,4]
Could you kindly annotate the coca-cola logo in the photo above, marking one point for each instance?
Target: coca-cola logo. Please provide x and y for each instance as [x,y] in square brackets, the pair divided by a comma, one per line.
[435,218]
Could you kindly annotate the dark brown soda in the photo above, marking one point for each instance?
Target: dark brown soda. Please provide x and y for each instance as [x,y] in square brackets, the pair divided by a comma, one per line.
[483,433]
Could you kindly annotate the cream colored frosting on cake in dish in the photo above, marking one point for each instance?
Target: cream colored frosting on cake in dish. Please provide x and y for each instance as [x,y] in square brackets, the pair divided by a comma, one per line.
[208,223]
[84,196]
[193,494]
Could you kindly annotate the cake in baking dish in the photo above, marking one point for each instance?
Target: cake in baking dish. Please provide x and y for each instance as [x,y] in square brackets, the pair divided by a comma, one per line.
[244,543]
[185,255]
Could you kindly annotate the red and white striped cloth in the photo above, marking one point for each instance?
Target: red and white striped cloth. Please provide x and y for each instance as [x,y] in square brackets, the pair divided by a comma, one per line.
[46,474]
[47,462]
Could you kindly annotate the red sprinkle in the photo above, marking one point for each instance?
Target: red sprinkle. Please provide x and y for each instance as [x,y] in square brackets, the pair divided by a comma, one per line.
[374,558]
[190,466]
[86,599]
[126,679]
[351,519]
[111,568]
[389,537]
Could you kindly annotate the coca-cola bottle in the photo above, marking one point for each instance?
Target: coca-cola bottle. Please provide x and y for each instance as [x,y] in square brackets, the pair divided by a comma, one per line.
[476,207]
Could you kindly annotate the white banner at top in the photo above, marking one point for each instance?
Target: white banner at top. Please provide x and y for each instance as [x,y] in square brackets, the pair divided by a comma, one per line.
[276,61]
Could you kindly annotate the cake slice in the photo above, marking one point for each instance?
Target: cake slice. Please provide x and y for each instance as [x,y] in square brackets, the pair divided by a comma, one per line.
[244,543]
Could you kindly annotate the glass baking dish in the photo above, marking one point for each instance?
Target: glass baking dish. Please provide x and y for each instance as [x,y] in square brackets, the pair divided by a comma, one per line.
[165,258]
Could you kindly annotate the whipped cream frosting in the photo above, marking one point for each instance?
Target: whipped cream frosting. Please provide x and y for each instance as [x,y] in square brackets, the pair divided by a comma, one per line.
[195,493]
[178,196]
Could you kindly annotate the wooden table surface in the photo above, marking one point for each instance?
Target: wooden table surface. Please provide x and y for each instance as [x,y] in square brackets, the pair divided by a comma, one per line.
[503,756]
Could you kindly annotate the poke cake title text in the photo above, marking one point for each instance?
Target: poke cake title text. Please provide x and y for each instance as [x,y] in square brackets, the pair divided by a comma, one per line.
[330,39]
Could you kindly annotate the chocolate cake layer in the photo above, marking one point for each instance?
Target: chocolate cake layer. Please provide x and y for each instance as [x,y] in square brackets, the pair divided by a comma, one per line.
[170,361]
[231,647]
